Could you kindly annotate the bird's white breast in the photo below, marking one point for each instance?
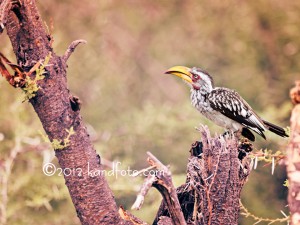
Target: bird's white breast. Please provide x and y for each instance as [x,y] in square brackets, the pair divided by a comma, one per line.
[200,102]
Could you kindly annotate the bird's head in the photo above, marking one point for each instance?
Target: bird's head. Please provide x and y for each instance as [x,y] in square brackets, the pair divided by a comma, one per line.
[196,78]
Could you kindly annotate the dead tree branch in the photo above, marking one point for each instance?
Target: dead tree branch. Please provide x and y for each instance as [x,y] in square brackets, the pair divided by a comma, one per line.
[149,181]
[293,156]
[162,181]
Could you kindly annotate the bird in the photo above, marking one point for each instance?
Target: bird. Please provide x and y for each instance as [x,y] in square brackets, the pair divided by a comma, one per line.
[223,106]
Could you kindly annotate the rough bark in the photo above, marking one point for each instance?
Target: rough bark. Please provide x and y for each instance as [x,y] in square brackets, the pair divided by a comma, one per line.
[293,155]
[216,173]
[91,196]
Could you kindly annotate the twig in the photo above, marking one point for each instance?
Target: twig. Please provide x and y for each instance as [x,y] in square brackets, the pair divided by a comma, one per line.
[4,179]
[72,48]
[143,171]
[162,181]
[246,213]
[143,192]
[158,164]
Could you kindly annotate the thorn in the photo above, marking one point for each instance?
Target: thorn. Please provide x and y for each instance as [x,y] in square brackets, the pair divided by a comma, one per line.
[273,165]
[255,162]
[283,214]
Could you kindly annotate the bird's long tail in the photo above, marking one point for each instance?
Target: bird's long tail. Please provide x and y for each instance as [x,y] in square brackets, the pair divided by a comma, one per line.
[275,129]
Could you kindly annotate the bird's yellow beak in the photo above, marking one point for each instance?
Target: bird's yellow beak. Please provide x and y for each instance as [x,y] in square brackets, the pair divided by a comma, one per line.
[181,71]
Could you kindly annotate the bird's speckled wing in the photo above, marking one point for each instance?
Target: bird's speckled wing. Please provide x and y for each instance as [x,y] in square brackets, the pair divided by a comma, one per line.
[230,104]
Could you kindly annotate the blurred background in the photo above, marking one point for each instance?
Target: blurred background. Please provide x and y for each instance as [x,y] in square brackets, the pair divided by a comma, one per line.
[131,107]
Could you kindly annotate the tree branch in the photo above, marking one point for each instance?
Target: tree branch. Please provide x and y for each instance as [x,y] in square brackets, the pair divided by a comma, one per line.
[90,193]
[71,49]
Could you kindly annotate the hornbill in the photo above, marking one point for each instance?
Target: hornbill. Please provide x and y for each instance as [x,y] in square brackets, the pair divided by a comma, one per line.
[223,106]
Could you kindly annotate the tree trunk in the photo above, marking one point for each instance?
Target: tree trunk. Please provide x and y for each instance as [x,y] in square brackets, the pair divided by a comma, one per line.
[216,173]
[91,196]
[293,154]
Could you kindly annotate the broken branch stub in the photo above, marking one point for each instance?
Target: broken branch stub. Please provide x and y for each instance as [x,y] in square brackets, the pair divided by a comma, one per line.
[71,49]
[215,177]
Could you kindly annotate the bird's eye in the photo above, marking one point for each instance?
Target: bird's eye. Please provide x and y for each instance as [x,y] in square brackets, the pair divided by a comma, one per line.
[195,76]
